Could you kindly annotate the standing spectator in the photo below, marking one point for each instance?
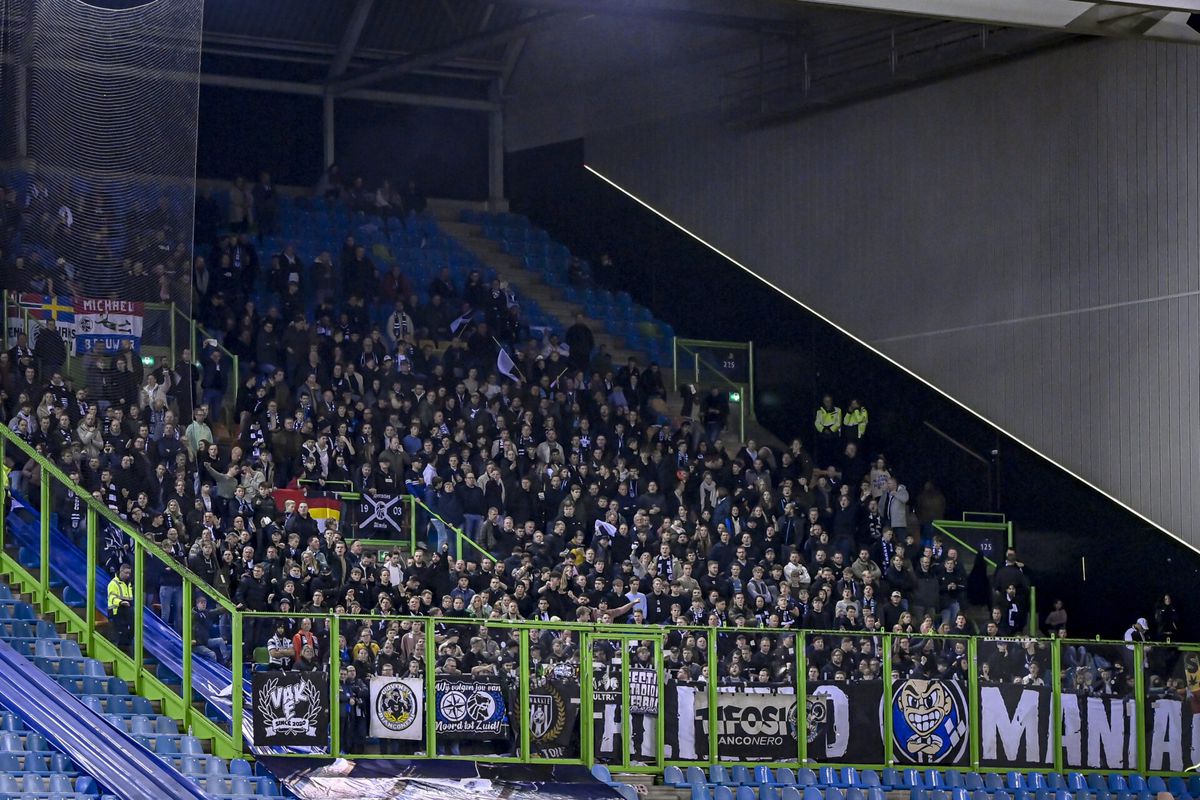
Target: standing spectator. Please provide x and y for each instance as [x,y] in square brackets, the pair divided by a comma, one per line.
[265,205]
[355,697]
[931,506]
[215,381]
[241,206]
[581,341]
[828,423]
[716,413]
[893,507]
[1166,619]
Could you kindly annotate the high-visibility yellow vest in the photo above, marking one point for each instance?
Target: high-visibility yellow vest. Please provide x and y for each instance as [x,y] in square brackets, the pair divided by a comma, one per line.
[829,421]
[118,590]
[856,417]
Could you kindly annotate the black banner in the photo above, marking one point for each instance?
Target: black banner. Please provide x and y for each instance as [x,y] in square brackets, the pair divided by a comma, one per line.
[751,726]
[1099,732]
[1015,725]
[929,721]
[381,516]
[843,724]
[472,708]
[290,709]
[553,718]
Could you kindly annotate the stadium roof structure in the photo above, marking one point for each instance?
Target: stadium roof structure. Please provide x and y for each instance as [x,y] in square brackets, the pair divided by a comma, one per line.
[462,53]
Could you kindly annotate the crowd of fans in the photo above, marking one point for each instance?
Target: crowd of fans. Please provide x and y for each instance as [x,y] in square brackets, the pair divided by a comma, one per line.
[589,497]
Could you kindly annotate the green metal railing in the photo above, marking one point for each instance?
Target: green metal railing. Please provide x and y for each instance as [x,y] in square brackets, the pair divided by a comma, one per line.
[41,583]
[703,370]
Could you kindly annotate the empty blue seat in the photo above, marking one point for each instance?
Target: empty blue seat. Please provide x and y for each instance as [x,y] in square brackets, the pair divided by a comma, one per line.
[718,774]
[952,779]
[829,776]
[1015,780]
[875,793]
[790,793]
[1136,783]
[1193,785]
[695,776]
[973,782]
[1055,781]
[601,773]
[806,777]
[192,765]
[1156,784]
[767,791]
[722,792]
[739,775]
[8,785]
[891,778]
[1117,782]
[1076,781]
[849,776]
[993,782]
[869,778]
[242,786]
[855,793]
[959,793]
[918,793]
[672,776]
[763,776]
[38,762]
[833,793]
[813,793]
[744,792]
[911,779]
[10,762]
[979,794]
[61,783]
[785,777]
[699,792]
[1177,786]
[36,742]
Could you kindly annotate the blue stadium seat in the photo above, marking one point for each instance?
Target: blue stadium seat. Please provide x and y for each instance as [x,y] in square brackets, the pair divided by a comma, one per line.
[1076,781]
[806,777]
[1117,783]
[744,792]
[699,792]
[855,793]
[763,776]
[870,779]
[672,776]
[891,778]
[767,792]
[785,777]
[601,773]
[722,792]
[993,782]
[1156,784]
[813,793]
[790,793]
[695,776]
[973,782]
[10,762]
[875,793]
[739,775]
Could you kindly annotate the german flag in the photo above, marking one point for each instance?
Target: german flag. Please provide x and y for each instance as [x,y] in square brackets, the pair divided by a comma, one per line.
[322,509]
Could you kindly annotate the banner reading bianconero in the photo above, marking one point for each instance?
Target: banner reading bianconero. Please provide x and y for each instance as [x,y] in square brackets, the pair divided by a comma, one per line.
[290,709]
[751,726]
[398,708]
[471,708]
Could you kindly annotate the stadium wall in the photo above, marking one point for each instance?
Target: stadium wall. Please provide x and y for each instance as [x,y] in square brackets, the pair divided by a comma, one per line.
[1025,237]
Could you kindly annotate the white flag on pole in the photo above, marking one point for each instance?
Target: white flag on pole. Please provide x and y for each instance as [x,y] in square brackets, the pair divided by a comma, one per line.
[461,322]
[505,364]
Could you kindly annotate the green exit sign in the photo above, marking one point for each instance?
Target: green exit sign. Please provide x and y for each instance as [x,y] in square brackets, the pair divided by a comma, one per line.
[148,361]
[735,397]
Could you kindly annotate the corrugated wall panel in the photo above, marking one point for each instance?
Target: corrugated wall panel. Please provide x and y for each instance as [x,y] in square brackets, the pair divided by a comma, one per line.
[1026,237]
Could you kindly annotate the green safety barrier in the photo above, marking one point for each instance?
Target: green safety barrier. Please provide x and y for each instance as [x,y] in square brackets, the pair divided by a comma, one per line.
[229,742]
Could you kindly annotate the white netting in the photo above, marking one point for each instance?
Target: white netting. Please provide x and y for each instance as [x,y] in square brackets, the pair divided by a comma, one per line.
[107,191]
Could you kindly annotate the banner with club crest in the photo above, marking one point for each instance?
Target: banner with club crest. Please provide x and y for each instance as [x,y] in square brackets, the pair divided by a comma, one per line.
[553,718]
[398,708]
[290,709]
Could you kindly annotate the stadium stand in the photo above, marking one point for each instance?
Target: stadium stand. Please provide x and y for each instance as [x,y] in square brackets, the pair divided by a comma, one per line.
[548,481]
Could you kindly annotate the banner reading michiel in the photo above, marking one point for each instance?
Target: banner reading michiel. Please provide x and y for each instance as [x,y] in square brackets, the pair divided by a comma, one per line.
[107,324]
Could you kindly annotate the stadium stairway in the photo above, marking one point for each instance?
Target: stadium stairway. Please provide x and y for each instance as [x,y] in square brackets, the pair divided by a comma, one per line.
[110,757]
[89,679]
[554,300]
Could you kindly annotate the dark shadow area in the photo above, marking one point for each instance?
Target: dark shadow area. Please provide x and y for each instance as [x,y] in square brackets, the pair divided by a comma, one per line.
[1059,520]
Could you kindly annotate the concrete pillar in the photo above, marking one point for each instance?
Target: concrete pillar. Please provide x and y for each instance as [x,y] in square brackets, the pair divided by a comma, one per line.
[327,125]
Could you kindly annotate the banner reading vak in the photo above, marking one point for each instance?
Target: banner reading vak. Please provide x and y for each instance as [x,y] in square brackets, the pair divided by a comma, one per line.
[107,324]
[290,709]
[398,708]
[471,708]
